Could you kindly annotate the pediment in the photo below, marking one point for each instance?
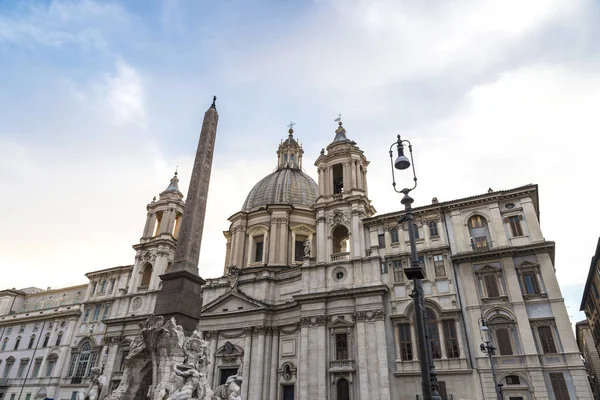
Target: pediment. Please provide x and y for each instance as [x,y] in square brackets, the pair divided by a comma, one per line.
[488,269]
[340,323]
[232,301]
[527,264]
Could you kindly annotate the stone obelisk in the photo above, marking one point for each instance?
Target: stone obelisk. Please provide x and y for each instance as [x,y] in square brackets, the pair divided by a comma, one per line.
[181,296]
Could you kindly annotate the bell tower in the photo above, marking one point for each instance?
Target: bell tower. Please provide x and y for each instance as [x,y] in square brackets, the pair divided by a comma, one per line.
[342,200]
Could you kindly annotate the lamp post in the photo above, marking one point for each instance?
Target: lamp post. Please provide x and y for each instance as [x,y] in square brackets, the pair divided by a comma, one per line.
[415,272]
[488,348]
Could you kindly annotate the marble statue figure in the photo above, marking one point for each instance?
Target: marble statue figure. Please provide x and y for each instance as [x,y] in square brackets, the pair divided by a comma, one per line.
[97,388]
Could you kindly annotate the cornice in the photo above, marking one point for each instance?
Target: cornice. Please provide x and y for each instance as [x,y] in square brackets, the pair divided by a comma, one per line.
[355,292]
[109,271]
[16,319]
[546,246]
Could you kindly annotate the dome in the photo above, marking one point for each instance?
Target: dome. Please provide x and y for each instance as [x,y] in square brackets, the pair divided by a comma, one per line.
[284,186]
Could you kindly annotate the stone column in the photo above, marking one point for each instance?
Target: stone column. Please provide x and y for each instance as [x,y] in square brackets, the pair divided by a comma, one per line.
[147,228]
[214,339]
[354,174]
[330,181]
[320,182]
[303,372]
[413,341]
[256,373]
[246,367]
[442,339]
[355,236]
[362,365]
[321,240]
[498,226]
[267,360]
[533,225]
[460,239]
[274,364]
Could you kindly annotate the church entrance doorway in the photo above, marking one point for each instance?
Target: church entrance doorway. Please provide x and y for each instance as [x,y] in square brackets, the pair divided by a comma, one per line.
[343,390]
[226,373]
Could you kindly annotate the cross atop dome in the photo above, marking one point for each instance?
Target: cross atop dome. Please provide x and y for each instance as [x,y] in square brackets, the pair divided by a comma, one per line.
[289,153]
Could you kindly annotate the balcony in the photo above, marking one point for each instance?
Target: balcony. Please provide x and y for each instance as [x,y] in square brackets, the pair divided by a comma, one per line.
[3,382]
[342,366]
[340,256]
[142,288]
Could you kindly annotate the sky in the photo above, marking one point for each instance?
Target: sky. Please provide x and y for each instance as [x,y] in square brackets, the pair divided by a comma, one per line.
[101,100]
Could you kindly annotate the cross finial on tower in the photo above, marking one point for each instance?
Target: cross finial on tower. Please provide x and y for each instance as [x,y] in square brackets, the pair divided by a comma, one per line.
[339,119]
[291,126]
[176,169]
[214,103]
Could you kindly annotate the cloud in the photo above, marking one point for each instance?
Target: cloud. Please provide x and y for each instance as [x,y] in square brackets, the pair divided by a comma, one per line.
[124,94]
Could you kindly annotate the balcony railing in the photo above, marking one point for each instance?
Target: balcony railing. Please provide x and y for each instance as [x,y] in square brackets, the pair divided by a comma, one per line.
[340,256]
[341,365]
[143,288]
[3,381]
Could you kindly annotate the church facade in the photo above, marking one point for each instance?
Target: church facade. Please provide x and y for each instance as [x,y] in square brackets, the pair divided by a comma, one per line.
[313,302]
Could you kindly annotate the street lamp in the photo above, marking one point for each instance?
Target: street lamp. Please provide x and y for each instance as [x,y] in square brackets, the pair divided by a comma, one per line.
[488,348]
[415,272]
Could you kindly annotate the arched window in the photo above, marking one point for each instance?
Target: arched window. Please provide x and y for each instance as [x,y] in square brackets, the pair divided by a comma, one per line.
[17,342]
[503,335]
[146,275]
[340,240]
[478,230]
[433,230]
[434,334]
[394,235]
[31,342]
[46,340]
[416,229]
[58,338]
[82,361]
[50,363]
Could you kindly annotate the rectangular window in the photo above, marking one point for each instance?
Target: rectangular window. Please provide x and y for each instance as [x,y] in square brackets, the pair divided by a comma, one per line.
[112,285]
[46,339]
[299,248]
[28,396]
[504,343]
[559,386]
[288,392]
[106,310]
[530,283]
[384,268]
[341,346]
[450,338]
[74,395]
[480,243]
[546,339]
[394,235]
[12,396]
[258,248]
[36,327]
[381,240]
[7,369]
[123,358]
[22,329]
[438,263]
[397,268]
[86,315]
[50,367]
[72,365]
[96,313]
[416,230]
[515,225]
[36,368]
[491,285]
[21,369]
[406,353]
[9,331]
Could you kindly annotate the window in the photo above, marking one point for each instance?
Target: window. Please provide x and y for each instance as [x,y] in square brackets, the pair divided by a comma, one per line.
[123,358]
[36,367]
[12,396]
[86,315]
[288,392]
[394,235]
[4,343]
[434,334]
[259,244]
[106,310]
[504,343]
[36,327]
[82,362]
[595,290]
[530,283]
[28,396]
[96,313]
[404,337]
[433,230]
[381,240]
[438,264]
[146,275]
[384,268]
[559,386]
[94,287]
[58,338]
[50,363]
[397,269]
[8,367]
[17,342]
[515,225]
[546,339]
[513,380]
[341,346]
[443,391]
[478,230]
[450,338]
[22,329]
[22,367]
[102,286]
[9,330]
[31,342]
[416,230]
[490,282]
[46,339]
[338,179]
[112,285]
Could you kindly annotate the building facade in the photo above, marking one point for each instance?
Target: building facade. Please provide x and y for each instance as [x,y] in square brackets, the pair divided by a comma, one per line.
[587,347]
[313,302]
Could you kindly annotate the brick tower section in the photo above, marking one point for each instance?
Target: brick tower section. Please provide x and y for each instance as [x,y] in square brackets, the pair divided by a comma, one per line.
[181,295]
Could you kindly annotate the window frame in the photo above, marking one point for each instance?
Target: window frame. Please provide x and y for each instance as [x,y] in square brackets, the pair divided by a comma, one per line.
[451,340]
[514,221]
[397,271]
[405,341]
[433,233]
[394,236]
[439,264]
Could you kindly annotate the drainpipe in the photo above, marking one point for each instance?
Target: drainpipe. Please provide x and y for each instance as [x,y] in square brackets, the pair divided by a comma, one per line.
[32,359]
[460,303]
